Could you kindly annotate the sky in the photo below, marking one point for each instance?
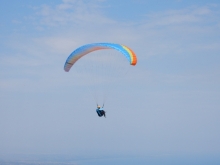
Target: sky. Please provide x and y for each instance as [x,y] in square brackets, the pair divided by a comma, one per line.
[166,106]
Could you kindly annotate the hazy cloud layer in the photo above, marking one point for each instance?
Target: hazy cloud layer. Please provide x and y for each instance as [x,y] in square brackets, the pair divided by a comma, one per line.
[167,104]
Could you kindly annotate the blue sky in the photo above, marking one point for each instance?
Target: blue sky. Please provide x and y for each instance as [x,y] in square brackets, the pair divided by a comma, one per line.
[166,105]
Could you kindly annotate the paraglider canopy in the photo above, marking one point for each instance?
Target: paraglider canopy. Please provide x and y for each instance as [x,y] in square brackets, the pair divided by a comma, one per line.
[86,49]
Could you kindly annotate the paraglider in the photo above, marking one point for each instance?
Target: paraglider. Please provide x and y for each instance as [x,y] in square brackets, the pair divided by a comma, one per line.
[100,111]
[88,48]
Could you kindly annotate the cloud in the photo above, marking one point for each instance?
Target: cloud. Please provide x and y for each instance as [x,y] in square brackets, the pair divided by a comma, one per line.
[75,12]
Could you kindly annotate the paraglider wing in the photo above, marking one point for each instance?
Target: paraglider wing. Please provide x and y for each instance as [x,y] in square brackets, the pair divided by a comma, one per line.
[86,49]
